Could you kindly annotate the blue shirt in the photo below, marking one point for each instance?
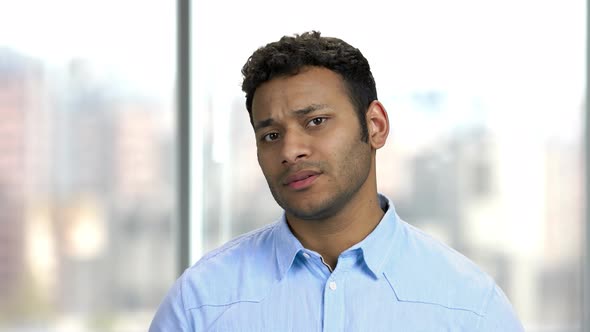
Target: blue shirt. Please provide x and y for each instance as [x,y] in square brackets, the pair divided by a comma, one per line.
[396,279]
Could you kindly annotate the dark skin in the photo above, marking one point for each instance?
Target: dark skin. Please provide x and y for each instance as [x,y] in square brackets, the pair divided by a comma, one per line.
[317,167]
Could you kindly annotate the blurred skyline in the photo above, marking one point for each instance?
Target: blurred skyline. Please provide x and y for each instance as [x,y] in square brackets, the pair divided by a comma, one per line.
[87,185]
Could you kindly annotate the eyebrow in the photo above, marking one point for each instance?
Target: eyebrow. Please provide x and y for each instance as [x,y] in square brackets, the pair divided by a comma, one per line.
[298,113]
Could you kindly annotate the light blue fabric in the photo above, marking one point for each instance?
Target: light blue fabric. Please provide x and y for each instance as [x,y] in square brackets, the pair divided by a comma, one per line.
[396,279]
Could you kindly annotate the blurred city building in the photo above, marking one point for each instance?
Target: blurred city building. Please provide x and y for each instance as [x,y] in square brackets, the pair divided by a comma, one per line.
[87,197]
[21,157]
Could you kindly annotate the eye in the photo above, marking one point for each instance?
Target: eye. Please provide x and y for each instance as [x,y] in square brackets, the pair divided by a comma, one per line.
[270,137]
[317,121]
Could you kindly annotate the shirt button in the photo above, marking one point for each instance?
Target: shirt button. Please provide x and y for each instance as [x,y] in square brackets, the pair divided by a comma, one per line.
[306,255]
[332,285]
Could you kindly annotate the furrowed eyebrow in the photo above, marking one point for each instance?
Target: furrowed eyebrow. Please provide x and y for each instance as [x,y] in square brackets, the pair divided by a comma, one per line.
[263,124]
[309,109]
[298,113]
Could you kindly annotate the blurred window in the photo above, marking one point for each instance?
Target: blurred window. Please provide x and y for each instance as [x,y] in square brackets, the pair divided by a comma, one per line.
[87,164]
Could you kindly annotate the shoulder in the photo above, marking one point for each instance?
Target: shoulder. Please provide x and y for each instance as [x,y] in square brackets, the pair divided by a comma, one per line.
[499,314]
[424,269]
[240,270]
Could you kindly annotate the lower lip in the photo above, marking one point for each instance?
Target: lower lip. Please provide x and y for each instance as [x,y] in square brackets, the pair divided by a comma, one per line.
[302,184]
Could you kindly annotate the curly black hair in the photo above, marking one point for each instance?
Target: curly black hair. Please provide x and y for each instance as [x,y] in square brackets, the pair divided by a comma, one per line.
[290,54]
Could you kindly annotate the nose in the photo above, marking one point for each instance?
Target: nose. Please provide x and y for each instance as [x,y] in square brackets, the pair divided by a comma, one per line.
[295,147]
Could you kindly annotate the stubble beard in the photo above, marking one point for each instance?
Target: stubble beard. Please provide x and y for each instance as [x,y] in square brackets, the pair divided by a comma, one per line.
[352,171]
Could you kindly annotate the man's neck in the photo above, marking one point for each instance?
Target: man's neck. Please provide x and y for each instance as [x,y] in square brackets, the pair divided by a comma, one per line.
[331,236]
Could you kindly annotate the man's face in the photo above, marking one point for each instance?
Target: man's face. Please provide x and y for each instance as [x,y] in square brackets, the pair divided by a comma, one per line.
[309,143]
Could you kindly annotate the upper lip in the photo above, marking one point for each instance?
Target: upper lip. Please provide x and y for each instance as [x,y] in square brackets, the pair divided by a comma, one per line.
[299,176]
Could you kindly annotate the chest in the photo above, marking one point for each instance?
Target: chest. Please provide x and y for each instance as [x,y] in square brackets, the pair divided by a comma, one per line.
[345,303]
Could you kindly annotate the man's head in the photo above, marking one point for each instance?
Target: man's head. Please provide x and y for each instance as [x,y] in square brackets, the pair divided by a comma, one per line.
[306,95]
[290,55]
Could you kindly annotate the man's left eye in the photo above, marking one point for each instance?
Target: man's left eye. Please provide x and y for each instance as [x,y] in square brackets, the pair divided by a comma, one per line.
[317,121]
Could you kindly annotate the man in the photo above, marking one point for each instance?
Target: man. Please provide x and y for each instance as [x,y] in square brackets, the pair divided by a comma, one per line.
[339,259]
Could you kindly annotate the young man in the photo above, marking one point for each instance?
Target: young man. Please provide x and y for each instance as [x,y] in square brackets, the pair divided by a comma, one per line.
[339,259]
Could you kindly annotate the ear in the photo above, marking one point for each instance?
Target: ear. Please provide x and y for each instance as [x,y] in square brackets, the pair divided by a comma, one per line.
[378,124]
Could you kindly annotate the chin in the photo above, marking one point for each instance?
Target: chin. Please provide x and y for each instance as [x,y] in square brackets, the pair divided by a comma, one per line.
[313,211]
[305,214]
[311,205]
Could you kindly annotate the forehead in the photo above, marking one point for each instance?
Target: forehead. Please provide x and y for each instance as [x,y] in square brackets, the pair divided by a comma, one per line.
[312,85]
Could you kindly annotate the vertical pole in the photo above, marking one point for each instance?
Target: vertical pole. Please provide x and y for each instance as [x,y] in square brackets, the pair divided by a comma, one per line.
[586,153]
[183,103]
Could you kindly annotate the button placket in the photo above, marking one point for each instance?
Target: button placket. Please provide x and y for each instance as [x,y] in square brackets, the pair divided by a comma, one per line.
[334,304]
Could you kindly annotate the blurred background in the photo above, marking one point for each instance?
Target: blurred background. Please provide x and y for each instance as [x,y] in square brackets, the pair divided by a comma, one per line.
[125,154]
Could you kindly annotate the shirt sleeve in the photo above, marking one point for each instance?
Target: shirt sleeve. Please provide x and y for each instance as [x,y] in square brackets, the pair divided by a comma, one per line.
[500,315]
[171,315]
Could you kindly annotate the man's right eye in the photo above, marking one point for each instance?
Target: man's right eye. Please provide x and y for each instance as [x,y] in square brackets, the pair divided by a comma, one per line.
[270,137]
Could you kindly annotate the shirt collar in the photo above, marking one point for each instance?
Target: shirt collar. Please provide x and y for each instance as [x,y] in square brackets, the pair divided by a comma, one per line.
[417,267]
[286,246]
[376,247]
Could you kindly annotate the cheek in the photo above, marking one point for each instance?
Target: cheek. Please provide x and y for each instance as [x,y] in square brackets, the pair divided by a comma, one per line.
[260,160]
[264,162]
[338,145]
